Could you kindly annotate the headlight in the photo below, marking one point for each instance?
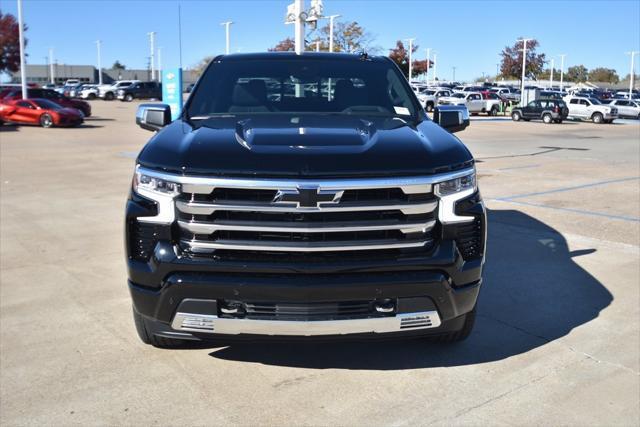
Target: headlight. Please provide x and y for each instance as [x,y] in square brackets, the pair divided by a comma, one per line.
[144,183]
[450,192]
[120,91]
[456,185]
[159,190]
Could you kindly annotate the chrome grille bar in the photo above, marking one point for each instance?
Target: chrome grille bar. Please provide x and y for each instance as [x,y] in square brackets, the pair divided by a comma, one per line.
[275,246]
[211,227]
[201,208]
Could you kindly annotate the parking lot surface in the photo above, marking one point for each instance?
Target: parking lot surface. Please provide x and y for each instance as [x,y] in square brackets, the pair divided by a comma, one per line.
[557,340]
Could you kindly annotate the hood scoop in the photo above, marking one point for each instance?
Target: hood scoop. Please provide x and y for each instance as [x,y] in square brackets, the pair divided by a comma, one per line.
[305,133]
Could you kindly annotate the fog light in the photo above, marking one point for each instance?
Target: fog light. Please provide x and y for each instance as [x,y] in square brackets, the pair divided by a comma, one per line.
[385,306]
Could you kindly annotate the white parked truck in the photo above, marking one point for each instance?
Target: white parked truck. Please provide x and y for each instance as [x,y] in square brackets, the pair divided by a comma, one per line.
[590,109]
[473,101]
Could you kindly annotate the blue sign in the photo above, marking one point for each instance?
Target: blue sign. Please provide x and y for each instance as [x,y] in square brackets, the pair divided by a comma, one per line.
[172,90]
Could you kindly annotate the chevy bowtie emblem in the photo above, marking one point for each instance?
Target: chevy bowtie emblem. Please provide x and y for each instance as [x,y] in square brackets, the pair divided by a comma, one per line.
[307,197]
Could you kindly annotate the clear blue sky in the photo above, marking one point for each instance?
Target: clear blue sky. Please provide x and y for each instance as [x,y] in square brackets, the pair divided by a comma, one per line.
[466,34]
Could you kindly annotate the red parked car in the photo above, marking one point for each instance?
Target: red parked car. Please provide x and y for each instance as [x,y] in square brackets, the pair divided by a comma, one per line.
[39,111]
[51,95]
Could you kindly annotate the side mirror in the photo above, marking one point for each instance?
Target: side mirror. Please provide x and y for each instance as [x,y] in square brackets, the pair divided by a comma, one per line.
[153,117]
[453,118]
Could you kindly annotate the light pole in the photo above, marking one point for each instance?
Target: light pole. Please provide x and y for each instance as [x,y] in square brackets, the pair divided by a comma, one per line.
[562,71]
[226,29]
[428,63]
[152,40]
[524,66]
[454,73]
[53,78]
[435,67]
[551,75]
[160,64]
[631,74]
[23,71]
[299,26]
[99,45]
[317,45]
[331,18]
[410,53]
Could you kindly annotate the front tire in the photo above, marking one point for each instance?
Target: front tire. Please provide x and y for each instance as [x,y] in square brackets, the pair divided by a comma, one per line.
[128,97]
[515,116]
[92,96]
[597,118]
[151,339]
[463,333]
[494,111]
[46,121]
[547,119]
[108,96]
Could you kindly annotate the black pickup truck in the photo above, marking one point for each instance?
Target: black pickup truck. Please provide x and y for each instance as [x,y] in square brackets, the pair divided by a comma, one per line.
[140,90]
[301,196]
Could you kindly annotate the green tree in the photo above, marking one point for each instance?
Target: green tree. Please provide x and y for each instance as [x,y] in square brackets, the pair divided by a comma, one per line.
[604,75]
[347,37]
[577,74]
[400,55]
[511,64]
[546,74]
[9,43]
[118,66]
[200,66]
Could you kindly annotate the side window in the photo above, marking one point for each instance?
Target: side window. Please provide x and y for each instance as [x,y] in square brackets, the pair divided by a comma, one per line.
[532,104]
[624,103]
[25,104]
[574,101]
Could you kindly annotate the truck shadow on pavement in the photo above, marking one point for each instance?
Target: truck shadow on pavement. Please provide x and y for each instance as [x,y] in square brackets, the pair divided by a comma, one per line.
[533,293]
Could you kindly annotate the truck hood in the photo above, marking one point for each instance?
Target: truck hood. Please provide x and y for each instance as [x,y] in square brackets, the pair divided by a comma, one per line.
[452,100]
[304,146]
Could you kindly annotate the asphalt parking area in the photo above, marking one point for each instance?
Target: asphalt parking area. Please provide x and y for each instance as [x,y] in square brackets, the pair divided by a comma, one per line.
[557,339]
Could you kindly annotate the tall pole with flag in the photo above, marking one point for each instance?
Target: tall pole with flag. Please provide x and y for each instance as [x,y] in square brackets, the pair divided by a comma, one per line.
[23,71]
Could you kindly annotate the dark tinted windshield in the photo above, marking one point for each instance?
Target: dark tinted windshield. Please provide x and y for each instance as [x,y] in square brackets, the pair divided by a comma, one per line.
[47,105]
[274,86]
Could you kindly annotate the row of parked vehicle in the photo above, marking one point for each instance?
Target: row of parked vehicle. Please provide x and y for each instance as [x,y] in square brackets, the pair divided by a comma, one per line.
[124,90]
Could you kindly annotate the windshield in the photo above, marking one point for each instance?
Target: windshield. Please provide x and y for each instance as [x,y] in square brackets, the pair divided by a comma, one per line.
[594,101]
[458,95]
[47,105]
[429,92]
[276,86]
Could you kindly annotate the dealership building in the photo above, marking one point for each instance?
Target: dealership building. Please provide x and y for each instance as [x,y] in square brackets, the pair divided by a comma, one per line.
[41,74]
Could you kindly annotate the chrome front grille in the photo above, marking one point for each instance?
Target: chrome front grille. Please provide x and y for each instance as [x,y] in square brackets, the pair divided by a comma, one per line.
[305,216]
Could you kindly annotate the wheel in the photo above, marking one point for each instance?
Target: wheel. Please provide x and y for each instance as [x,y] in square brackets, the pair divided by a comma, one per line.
[151,339]
[128,97]
[46,121]
[547,119]
[108,96]
[515,116]
[597,118]
[494,111]
[429,106]
[464,332]
[92,96]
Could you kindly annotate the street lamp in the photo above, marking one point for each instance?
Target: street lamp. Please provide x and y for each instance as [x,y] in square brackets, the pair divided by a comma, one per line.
[410,52]
[454,73]
[296,14]
[428,64]
[524,65]
[152,39]
[551,75]
[51,72]
[99,45]
[562,71]
[435,67]
[227,25]
[331,18]
[160,64]
[631,75]
[23,71]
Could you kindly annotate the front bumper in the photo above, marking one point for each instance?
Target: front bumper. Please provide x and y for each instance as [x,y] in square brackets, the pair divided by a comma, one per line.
[447,282]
